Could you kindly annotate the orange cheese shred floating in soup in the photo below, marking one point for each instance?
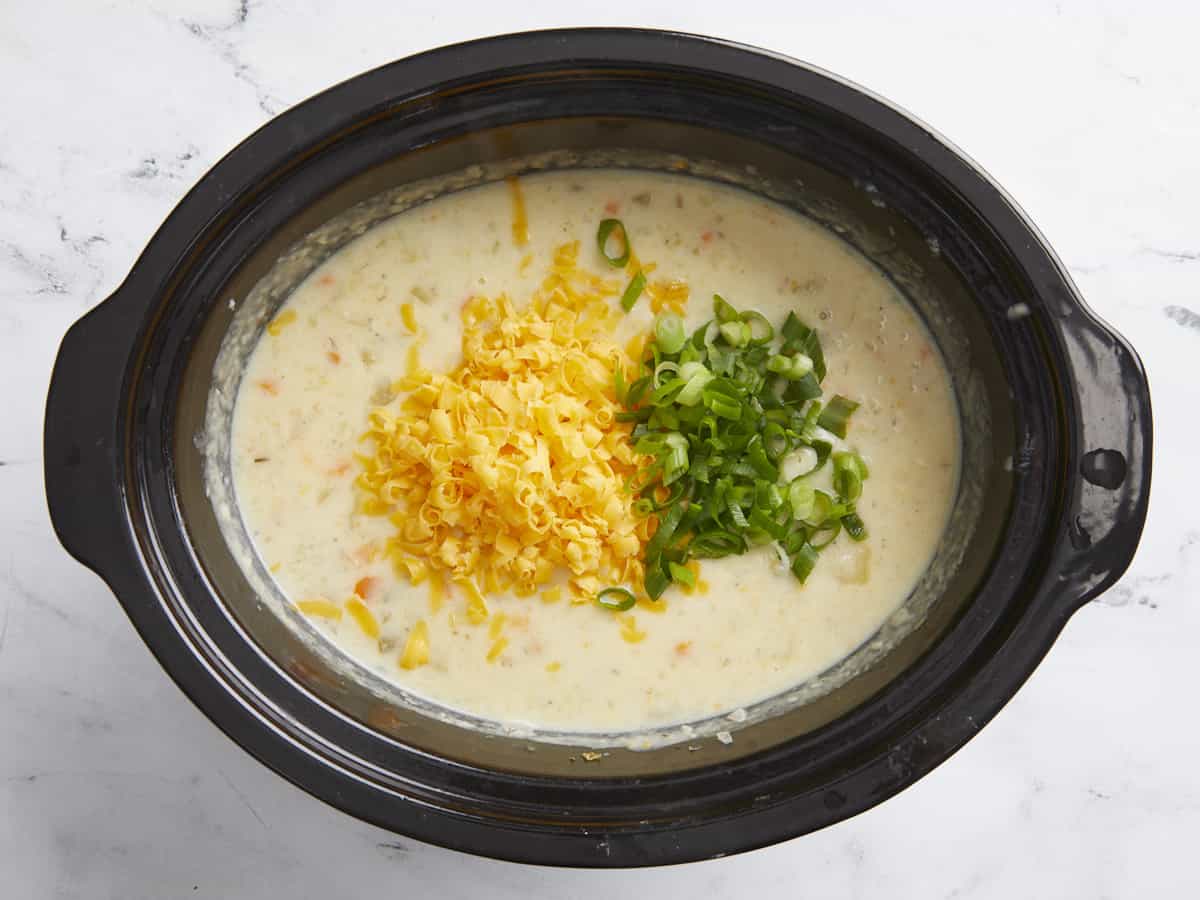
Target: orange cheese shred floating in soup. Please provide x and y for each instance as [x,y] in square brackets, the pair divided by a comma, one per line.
[510,470]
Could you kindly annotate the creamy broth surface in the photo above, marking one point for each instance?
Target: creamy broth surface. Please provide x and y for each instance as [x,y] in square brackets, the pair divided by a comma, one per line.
[306,394]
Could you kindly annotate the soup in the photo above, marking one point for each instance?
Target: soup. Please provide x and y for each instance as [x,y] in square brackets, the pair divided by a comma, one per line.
[392,567]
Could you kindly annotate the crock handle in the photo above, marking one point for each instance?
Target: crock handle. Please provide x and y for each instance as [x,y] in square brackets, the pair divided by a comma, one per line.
[1111,458]
[82,453]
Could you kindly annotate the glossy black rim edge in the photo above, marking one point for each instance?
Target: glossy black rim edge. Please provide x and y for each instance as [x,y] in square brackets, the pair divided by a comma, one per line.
[915,754]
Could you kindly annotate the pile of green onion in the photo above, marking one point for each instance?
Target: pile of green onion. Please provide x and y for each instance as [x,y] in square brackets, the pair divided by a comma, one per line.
[722,413]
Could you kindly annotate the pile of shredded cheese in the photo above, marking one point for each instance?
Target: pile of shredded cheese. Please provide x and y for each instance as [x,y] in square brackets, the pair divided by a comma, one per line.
[509,473]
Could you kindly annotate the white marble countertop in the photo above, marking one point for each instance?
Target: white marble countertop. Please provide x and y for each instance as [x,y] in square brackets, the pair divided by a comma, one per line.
[112,785]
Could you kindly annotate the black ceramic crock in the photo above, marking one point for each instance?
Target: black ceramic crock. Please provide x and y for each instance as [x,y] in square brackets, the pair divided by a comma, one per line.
[1063,481]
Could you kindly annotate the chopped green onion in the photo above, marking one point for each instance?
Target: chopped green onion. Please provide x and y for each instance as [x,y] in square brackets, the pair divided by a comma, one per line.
[823,449]
[732,426]
[721,404]
[793,368]
[669,333]
[848,474]
[693,390]
[822,509]
[666,529]
[775,441]
[836,415]
[723,311]
[617,599]
[682,574]
[657,581]
[637,390]
[767,495]
[675,457]
[689,353]
[676,493]
[736,334]
[662,395]
[756,453]
[767,525]
[809,421]
[620,389]
[665,366]
[610,228]
[756,320]
[807,388]
[803,500]
[794,540]
[799,337]
[826,534]
[801,461]
[738,515]
[634,290]
[854,527]
[635,415]
[804,562]
[717,544]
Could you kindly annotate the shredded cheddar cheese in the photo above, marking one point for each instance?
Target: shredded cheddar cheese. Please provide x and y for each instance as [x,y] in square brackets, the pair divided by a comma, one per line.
[364,617]
[635,265]
[414,569]
[672,295]
[406,315]
[497,625]
[510,470]
[497,648]
[320,607]
[477,611]
[416,648]
[412,366]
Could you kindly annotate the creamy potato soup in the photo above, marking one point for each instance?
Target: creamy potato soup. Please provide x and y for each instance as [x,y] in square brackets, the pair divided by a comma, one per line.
[437,464]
